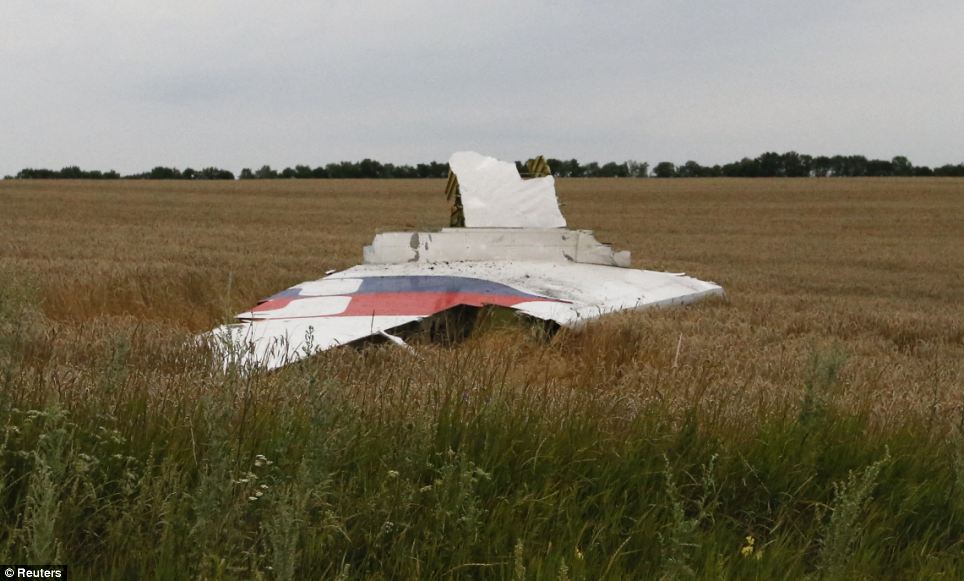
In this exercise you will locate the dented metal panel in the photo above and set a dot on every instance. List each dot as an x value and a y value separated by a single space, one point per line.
494 195
475 244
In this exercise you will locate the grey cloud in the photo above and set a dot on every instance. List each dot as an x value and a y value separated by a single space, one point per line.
127 84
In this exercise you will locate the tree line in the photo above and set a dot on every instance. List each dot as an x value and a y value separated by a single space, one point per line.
769 164
793 164
158 173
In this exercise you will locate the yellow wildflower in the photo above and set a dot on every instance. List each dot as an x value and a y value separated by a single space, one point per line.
747 549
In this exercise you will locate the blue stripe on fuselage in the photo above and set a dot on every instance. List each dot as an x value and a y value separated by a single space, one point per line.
437 284
426 284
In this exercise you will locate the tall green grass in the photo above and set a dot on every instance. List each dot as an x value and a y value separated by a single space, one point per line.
126 454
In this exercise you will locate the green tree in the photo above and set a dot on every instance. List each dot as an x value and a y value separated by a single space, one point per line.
164 173
664 169
266 173
638 169
902 166
691 169
613 170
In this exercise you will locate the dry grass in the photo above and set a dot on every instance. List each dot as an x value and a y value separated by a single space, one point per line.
507 452
874 266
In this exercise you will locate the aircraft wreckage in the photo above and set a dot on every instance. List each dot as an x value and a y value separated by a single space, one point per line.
508 247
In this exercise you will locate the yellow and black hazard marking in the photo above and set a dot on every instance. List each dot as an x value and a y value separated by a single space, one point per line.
457 217
537 167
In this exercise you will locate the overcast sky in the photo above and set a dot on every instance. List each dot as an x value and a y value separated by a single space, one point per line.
129 85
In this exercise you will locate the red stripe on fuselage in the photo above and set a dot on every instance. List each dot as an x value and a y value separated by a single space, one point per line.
274 304
425 303
401 304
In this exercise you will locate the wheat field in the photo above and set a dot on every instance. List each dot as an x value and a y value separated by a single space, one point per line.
809 424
